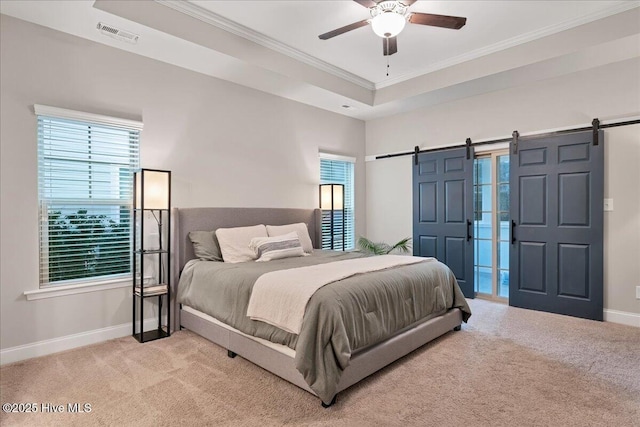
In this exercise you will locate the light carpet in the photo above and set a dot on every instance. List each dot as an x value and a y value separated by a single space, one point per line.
507 367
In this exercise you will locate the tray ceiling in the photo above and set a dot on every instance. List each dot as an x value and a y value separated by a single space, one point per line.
273 46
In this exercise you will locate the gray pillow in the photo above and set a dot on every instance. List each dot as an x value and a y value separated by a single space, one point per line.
205 245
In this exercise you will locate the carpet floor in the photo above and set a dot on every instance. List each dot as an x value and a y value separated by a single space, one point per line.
507 367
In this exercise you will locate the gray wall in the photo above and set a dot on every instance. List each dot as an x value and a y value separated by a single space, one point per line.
225 144
605 92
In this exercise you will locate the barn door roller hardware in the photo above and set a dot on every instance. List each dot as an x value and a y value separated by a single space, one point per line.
468 143
514 141
596 127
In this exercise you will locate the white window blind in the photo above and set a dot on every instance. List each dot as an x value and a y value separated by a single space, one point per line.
85 183
334 171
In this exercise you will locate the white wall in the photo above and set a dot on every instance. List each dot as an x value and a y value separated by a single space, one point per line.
606 92
225 144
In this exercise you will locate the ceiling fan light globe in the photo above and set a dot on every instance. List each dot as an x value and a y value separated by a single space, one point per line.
388 24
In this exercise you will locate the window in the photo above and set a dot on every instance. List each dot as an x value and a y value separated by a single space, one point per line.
339 170
85 191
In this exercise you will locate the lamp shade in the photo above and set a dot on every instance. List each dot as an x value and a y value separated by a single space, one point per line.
152 189
331 196
388 24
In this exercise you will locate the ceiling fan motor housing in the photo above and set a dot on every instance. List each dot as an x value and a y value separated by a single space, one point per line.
388 18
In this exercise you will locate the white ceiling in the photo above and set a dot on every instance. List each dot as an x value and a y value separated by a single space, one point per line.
273 46
491 25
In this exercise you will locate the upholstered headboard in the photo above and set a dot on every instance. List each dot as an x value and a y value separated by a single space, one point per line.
185 220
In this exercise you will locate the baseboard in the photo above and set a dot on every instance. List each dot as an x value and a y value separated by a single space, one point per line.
55 345
622 317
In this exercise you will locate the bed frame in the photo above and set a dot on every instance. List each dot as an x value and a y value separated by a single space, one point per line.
362 364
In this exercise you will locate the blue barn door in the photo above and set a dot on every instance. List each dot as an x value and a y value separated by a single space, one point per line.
443 211
556 256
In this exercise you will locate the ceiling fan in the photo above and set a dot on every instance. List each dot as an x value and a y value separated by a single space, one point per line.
388 19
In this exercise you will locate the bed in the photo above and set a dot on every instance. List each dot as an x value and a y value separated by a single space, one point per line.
325 356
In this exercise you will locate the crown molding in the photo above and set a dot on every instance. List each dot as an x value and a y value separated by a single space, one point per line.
223 23
512 42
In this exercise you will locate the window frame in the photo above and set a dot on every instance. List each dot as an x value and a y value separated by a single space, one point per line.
97 282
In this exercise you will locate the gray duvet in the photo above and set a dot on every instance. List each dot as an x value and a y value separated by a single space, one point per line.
341 317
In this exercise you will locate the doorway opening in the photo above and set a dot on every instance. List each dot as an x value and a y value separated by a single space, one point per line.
491 225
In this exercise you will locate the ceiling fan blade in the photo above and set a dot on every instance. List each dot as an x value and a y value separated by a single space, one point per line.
389 46
407 2
444 21
344 29
366 3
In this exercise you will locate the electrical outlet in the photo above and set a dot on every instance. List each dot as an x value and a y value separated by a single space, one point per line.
608 204
637 292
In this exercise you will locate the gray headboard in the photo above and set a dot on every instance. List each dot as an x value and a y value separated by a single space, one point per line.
203 219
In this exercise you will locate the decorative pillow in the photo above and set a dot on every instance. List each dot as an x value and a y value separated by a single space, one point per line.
234 242
300 228
277 247
205 245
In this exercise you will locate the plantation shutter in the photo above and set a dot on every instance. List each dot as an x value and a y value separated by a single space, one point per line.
85 188
338 171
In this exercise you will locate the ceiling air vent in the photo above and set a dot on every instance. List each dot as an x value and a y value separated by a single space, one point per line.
117 33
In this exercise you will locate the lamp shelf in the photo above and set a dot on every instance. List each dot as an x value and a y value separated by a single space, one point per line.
156 294
151 291
151 251
151 335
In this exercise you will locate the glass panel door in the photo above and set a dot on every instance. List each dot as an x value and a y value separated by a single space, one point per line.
491 225
502 218
483 227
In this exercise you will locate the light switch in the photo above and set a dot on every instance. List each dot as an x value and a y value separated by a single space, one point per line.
608 204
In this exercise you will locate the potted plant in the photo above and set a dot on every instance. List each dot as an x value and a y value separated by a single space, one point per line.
379 248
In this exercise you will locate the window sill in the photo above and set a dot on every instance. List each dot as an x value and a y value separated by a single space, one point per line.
59 291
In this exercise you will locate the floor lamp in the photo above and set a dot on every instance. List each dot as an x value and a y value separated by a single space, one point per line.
152 197
332 199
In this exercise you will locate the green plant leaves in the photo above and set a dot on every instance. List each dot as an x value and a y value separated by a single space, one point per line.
380 248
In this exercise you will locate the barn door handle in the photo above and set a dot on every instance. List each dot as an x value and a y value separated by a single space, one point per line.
468 230
513 232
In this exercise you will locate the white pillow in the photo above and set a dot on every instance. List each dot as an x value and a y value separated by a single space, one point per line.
300 228
277 247
234 242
